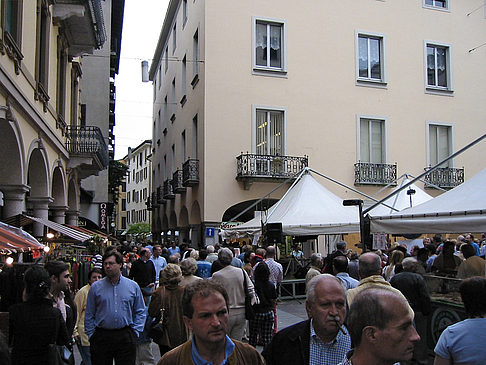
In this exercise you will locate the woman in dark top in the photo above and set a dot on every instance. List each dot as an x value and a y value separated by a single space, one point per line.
35 323
262 324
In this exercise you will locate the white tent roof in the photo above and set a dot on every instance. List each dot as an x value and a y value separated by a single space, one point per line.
401 200
462 209
308 208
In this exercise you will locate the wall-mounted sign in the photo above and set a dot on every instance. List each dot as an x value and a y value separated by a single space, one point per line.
104 217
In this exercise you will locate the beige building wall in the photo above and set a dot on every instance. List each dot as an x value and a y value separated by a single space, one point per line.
320 93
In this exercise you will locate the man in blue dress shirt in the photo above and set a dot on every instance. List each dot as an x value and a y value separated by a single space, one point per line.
115 315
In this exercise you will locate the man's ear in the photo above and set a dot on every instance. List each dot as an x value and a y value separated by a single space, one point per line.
188 322
54 279
369 333
308 306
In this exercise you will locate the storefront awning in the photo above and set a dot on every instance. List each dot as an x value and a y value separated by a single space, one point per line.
15 239
21 220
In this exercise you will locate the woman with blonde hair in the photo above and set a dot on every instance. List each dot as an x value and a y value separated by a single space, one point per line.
167 302
189 268
395 259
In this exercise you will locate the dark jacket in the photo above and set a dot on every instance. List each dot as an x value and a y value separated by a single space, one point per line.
289 346
34 325
414 288
143 273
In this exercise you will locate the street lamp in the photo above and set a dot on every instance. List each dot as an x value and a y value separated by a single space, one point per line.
359 203
410 192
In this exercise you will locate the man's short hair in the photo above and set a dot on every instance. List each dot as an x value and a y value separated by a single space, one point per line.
311 286
270 252
473 294
94 271
341 245
202 288
156 246
315 259
210 248
225 256
117 255
203 254
468 250
409 264
369 264
340 263
56 268
368 309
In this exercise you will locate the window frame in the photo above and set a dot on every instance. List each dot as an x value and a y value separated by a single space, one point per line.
450 141
13 42
384 152
449 68
435 7
267 108
383 68
269 70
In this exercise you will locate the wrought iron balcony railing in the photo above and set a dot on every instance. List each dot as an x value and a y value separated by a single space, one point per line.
367 173
190 172
251 166
168 191
87 142
177 182
444 177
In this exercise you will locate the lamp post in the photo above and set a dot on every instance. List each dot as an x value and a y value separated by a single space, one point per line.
359 203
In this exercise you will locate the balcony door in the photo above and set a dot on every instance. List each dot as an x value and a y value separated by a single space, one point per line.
270 141
440 137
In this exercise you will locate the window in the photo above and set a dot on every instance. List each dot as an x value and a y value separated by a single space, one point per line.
124 204
124 187
441 4
371 58
183 148
194 137
160 75
184 12
372 140
75 75
12 20
173 159
174 38
61 80
269 45
42 55
195 57
166 114
166 58
128 197
269 132
124 223
440 144
438 67
174 101
183 80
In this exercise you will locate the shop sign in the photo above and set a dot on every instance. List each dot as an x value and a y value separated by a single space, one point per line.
103 217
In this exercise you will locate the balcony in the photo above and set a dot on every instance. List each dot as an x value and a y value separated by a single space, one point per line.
190 172
444 177
177 182
366 173
87 149
251 167
168 191
153 200
83 23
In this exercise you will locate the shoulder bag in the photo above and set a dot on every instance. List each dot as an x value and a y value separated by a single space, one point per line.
159 324
249 312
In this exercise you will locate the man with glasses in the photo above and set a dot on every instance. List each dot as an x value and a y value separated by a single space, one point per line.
115 315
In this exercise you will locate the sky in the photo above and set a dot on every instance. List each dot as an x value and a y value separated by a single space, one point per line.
142 23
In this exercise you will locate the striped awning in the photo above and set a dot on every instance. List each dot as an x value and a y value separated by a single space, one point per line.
21 220
15 239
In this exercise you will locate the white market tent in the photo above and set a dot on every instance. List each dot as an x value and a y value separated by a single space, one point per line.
401 200
307 208
462 209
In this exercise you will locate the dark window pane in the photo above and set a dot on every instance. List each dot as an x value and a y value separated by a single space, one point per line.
363 56
375 59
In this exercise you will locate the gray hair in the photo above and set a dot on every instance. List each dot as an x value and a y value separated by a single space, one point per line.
315 259
409 264
311 286
210 248
188 266
225 256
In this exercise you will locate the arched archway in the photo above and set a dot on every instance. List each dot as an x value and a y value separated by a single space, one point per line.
184 228
58 206
173 220
12 165
38 180
195 213
195 224
238 208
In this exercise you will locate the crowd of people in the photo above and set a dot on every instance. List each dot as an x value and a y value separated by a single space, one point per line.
362 309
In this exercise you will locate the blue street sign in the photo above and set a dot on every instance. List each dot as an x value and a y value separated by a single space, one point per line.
209 232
